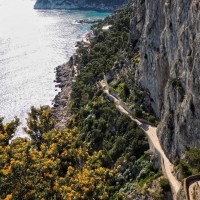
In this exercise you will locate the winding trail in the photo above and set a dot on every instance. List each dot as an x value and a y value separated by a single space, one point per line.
151 132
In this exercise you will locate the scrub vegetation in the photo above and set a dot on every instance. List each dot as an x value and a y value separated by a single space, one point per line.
101 154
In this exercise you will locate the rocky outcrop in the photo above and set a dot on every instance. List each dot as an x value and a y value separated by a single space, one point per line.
102 5
64 79
88 21
65 76
168 35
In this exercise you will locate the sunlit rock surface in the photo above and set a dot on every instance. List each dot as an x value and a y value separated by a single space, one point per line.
168 35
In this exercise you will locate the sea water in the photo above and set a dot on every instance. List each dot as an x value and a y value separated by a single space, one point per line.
32 44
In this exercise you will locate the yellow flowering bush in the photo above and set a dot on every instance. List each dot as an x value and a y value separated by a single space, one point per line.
58 169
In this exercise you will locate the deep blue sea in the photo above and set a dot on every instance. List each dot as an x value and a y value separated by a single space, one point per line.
32 44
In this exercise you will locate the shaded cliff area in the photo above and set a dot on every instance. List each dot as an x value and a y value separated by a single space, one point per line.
102 5
167 34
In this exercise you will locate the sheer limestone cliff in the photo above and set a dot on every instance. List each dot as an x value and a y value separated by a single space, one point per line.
167 33
102 5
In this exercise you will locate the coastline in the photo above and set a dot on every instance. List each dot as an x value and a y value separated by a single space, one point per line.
66 75
60 103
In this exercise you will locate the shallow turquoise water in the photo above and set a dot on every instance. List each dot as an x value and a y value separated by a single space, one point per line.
32 44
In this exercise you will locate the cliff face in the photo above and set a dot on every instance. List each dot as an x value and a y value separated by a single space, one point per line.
168 35
102 5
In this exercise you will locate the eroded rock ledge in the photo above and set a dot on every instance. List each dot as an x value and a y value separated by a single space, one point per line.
65 76
64 80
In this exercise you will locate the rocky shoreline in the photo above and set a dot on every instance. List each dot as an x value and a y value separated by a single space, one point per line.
64 80
88 21
65 76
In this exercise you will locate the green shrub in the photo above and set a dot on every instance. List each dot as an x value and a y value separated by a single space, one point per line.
193 157
164 184
138 112
185 169
151 119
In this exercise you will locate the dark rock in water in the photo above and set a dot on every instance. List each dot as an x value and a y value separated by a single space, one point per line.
56 105
88 21
78 44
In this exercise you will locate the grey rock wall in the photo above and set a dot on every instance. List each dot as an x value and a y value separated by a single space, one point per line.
167 33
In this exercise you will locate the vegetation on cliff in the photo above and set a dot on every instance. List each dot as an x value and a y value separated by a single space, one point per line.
98 153
57 164
56 168
190 164
101 154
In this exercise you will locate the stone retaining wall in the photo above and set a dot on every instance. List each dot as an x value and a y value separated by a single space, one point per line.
187 182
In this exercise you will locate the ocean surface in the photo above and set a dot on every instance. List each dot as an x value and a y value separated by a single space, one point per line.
32 44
